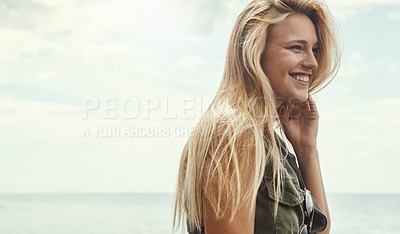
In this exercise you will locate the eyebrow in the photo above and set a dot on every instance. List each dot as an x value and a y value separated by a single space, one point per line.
301 42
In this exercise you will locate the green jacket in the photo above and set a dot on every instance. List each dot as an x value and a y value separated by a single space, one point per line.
290 215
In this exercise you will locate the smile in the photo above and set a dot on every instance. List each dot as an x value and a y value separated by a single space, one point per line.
300 77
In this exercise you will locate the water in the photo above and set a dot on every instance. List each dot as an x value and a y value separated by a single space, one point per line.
152 213
365 213
86 214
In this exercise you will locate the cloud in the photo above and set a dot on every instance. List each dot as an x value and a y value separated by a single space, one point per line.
19 43
394 15
48 3
45 75
202 20
192 63
41 139
367 114
90 30
391 106
356 64
356 57
358 138
362 129
343 9
88 48
106 117
23 119
361 3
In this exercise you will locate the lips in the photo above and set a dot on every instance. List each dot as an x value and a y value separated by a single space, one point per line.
300 77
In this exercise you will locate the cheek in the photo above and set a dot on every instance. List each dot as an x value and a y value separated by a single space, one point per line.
290 62
279 69
278 66
283 63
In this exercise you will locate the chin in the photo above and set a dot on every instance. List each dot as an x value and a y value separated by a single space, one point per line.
303 99
292 99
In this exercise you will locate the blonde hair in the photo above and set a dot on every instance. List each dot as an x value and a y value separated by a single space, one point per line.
225 157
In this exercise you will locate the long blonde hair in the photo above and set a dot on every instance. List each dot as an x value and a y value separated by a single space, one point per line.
225 157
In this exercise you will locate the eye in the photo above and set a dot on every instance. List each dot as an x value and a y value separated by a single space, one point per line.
315 50
296 47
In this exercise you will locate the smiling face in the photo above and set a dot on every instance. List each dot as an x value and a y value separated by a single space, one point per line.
290 58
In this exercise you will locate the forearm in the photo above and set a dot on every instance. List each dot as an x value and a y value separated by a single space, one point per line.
311 171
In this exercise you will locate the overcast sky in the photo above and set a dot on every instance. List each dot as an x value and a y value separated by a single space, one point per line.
99 96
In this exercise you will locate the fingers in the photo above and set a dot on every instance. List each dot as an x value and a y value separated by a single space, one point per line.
312 113
307 110
296 111
311 103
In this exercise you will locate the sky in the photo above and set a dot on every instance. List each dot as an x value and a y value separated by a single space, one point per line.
101 96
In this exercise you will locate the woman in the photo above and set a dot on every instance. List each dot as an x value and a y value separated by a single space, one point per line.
236 173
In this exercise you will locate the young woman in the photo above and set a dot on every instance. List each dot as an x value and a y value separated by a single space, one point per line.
237 174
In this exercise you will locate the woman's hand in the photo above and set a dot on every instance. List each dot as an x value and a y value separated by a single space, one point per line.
301 129
301 126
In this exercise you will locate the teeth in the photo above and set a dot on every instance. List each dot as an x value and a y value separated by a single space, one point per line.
302 78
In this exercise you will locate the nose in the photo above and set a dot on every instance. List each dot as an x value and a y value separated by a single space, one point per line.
309 61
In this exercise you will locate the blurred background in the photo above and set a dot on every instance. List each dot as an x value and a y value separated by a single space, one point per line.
99 97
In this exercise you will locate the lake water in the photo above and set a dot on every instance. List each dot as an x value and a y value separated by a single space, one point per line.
152 213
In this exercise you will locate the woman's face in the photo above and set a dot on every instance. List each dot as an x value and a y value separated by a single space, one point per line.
289 61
